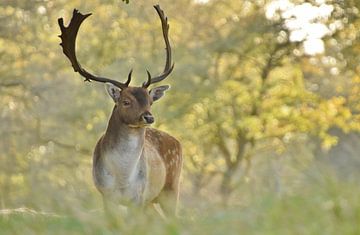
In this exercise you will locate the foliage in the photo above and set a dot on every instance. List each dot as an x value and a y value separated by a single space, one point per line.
253 111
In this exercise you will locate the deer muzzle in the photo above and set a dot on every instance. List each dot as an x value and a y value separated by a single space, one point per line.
148 118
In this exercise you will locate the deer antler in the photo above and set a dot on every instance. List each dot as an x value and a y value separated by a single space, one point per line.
68 39
168 67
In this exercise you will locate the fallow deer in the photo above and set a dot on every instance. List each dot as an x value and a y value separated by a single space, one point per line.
131 162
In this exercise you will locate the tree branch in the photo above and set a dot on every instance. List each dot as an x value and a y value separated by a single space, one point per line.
58 143
223 148
12 84
67 146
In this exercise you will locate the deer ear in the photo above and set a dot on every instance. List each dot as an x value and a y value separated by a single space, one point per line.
113 91
158 92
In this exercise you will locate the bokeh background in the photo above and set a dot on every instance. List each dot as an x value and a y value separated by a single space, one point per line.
265 100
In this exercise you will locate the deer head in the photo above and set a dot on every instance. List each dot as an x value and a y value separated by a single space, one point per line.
132 104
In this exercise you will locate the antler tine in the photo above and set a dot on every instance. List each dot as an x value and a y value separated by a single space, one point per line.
168 67
148 82
68 42
129 78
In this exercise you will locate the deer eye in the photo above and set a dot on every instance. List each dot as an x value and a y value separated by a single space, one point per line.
126 103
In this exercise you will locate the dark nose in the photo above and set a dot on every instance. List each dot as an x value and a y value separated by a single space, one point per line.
148 118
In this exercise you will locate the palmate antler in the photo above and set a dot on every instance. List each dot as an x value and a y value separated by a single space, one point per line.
68 42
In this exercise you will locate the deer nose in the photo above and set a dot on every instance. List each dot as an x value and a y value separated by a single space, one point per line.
148 118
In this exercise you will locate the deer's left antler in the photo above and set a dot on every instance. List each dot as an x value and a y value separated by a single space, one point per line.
168 66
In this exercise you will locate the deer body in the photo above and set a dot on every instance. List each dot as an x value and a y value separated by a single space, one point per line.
136 164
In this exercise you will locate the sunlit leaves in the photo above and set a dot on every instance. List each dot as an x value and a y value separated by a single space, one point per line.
260 94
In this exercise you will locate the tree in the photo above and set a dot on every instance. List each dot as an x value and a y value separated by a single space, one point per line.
259 99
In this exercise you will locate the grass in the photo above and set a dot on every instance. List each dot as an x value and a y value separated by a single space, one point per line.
332 209
324 203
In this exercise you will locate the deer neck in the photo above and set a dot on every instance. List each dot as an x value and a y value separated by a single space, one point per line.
124 148
119 133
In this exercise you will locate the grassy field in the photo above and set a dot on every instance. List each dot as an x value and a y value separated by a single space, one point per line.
332 207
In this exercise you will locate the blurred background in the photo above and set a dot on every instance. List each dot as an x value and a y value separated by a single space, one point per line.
265 100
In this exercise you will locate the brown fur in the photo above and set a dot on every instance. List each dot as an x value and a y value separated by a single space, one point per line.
171 154
135 163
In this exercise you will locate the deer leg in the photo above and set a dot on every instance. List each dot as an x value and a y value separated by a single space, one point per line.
160 211
169 197
114 213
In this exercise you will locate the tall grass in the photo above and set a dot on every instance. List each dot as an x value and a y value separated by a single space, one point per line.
324 205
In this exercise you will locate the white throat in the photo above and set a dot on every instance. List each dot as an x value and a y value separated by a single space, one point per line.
123 157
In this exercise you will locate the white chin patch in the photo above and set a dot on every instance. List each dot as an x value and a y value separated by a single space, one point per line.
138 125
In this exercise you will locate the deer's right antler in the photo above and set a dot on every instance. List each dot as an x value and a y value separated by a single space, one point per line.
68 41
